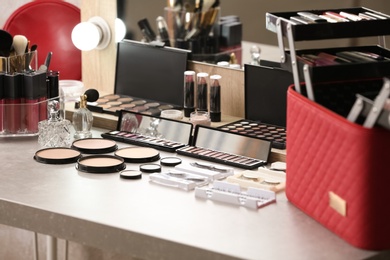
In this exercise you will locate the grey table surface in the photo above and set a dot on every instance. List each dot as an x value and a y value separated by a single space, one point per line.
150 221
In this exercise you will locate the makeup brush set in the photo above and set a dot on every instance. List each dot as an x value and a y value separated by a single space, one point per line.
24 88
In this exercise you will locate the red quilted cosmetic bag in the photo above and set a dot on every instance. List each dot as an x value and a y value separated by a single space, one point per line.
338 172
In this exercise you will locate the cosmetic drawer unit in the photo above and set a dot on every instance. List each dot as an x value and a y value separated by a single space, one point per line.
281 24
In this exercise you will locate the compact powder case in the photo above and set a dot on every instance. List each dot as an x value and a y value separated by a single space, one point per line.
100 164
170 161
95 145
131 174
59 155
150 168
138 154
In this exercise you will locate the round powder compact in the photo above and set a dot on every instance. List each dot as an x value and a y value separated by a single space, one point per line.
94 145
58 155
150 168
138 154
100 164
170 161
130 174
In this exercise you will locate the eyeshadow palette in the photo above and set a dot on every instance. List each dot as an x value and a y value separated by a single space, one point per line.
151 131
276 134
113 103
229 148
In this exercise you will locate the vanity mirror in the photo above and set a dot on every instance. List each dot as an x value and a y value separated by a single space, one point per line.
251 14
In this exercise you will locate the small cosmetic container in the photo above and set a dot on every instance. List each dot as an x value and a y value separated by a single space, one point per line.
202 91
82 120
200 118
189 92
55 131
215 98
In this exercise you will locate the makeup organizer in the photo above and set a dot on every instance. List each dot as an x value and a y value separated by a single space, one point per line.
338 149
151 131
24 94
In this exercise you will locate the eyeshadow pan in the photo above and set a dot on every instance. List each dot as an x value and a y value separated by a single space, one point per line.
125 99
111 97
94 145
57 155
127 105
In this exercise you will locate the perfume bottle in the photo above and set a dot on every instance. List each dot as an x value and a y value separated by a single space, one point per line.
82 117
55 131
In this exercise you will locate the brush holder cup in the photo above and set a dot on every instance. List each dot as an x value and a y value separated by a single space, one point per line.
26 62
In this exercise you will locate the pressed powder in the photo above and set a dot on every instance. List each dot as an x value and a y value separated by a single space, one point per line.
100 164
130 174
138 154
150 168
57 155
95 145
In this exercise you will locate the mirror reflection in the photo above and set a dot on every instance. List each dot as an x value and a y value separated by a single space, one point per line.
232 143
251 14
155 127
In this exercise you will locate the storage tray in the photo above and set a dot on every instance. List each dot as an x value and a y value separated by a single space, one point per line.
343 71
320 31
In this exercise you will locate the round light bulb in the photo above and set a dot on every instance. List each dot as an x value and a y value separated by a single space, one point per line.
86 36
120 30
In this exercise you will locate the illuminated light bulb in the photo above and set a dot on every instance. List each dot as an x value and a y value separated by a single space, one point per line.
120 30
93 34
86 36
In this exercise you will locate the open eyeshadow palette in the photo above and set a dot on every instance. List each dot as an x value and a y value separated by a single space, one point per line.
113 103
235 149
276 134
152 131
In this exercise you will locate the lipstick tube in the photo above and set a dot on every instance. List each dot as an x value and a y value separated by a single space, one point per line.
202 91
13 109
189 92
215 98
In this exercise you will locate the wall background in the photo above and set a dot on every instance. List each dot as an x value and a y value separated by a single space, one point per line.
8 7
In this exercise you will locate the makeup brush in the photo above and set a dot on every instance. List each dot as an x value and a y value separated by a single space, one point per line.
5 43
30 56
19 44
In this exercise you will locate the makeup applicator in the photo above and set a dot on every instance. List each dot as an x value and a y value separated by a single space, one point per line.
19 44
